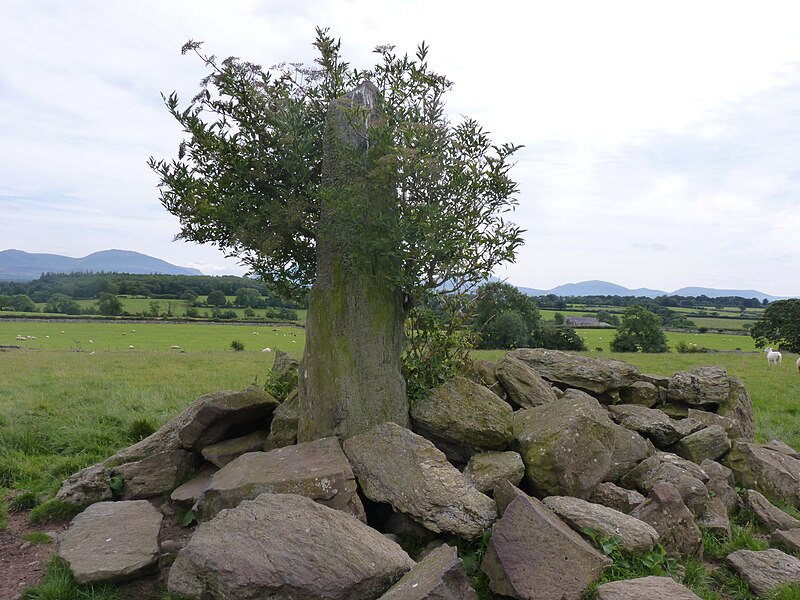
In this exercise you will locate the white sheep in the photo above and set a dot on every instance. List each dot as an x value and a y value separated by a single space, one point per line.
174 347
21 338
131 347
267 350
773 357
797 364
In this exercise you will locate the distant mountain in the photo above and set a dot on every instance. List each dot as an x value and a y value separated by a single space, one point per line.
16 265
712 293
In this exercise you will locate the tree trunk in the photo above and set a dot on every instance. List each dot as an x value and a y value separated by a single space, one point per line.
350 377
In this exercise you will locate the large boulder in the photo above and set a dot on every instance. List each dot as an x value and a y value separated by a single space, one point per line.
701 387
774 474
221 453
462 418
439 576
87 486
770 516
154 475
739 406
286 546
765 570
649 588
642 393
630 449
403 469
709 443
566 445
112 541
318 470
532 555
616 497
634 535
653 424
487 469
721 484
283 428
665 511
582 372
524 387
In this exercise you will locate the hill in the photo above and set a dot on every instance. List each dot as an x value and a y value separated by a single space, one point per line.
17 265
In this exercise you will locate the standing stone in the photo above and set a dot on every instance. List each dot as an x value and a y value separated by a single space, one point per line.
523 385
533 555
665 511
286 546
112 541
765 570
439 576
645 588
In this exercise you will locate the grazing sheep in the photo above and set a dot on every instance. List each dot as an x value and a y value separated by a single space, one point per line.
773 357
131 347
267 350
797 364
174 347
21 338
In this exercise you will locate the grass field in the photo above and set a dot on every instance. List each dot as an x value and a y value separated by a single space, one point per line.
601 338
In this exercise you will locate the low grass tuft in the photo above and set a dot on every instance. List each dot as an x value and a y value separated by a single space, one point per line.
23 501
59 584
37 537
53 511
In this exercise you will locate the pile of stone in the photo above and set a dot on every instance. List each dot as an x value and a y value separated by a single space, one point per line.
538 448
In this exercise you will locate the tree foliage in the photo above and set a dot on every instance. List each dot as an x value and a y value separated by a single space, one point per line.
504 317
640 331
779 326
109 304
248 176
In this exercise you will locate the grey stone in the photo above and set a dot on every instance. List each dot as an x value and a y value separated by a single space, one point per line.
729 424
398 467
652 424
630 449
642 393
112 541
645 588
616 497
487 469
268 541
709 443
789 538
765 570
283 428
533 555
769 515
703 386
566 445
772 473
665 511
634 535
739 406
87 486
190 492
721 484
484 373
779 446
154 475
318 470
582 372
687 477
463 418
715 518
439 576
221 453
524 387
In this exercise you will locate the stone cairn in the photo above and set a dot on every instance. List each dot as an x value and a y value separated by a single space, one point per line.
535 448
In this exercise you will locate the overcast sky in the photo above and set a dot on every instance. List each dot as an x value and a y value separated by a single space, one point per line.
661 139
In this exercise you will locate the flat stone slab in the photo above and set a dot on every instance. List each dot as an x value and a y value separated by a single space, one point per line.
438 576
112 541
649 588
765 570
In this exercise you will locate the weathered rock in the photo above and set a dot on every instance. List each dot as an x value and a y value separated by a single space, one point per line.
772 473
283 428
709 443
702 387
284 369
504 494
87 486
769 515
261 549
112 541
524 387
687 477
642 393
652 424
739 406
318 470
721 484
403 526
225 415
634 535
398 467
463 418
484 373
789 538
665 511
533 555
629 450
729 424
439 576
221 453
616 497
487 469
154 475
765 570
650 588
582 372
566 445
779 446
715 518
190 492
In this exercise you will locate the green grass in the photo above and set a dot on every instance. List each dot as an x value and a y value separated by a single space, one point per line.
58 584
37 537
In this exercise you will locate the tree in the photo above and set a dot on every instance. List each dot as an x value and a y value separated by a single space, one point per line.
780 326
352 184
504 316
250 297
216 298
558 337
61 304
640 331
109 304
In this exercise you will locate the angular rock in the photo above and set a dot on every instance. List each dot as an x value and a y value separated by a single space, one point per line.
398 467
702 387
190 492
483 372
729 424
283 428
524 387
721 484
665 511
268 540
630 449
739 407
221 453
582 372
652 424
318 470
154 475
463 418
112 541
438 576
611 495
789 538
487 469
533 555
650 588
566 445
709 443
765 570
284 369
87 486
634 535
642 393
505 494
687 477
769 515
715 518
403 526
224 415
779 446
772 473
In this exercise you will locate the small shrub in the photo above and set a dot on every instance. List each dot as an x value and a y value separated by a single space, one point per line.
237 346
24 501
53 510
37 537
116 483
140 429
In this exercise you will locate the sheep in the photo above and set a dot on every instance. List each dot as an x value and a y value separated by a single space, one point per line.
21 338
797 364
131 347
267 350
174 347
773 357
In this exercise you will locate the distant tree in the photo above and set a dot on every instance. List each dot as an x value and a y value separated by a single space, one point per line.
22 303
216 298
109 305
504 317
558 337
640 331
63 305
607 317
779 326
154 309
250 297
558 318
